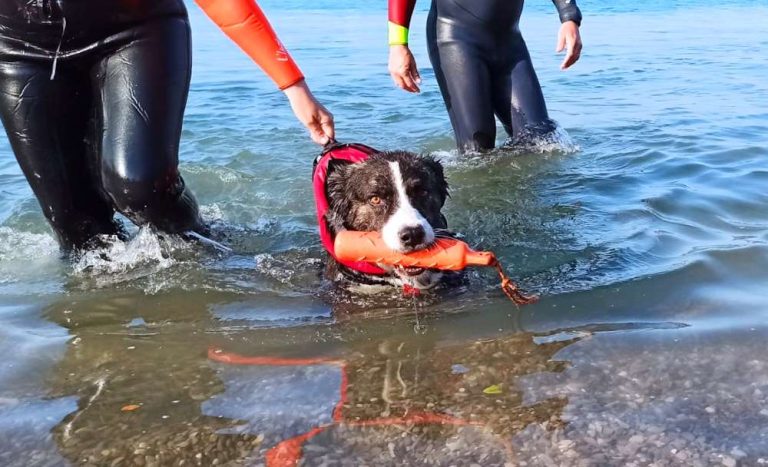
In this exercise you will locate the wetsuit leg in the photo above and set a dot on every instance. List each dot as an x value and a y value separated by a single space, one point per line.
483 67
142 90
517 97
465 81
47 122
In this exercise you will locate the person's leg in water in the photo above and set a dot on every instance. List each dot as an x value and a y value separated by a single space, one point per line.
91 134
483 68
518 101
465 81
47 122
141 92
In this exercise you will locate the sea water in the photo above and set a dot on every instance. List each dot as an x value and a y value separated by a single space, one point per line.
645 232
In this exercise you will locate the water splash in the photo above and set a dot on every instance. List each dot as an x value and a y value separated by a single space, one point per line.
17 245
558 141
289 269
23 255
212 213
146 250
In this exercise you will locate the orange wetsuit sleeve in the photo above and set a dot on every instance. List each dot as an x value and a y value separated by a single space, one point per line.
245 23
400 12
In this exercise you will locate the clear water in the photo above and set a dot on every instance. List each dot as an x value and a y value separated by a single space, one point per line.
648 242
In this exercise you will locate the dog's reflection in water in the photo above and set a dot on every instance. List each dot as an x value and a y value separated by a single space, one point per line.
398 388
456 402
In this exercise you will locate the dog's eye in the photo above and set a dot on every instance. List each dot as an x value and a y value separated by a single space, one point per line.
375 200
419 191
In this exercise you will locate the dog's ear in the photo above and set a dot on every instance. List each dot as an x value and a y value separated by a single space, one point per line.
335 192
434 166
336 178
337 165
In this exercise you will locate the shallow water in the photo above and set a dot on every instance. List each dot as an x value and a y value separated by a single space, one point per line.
647 238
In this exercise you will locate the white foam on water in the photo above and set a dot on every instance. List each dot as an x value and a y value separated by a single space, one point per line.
211 213
24 254
145 249
284 270
557 141
15 245
224 174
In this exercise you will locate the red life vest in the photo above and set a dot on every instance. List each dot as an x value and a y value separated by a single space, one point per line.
353 153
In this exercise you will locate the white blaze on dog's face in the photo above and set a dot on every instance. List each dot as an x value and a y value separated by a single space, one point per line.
406 229
398 194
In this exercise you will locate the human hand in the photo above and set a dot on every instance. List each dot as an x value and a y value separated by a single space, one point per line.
311 113
402 67
569 38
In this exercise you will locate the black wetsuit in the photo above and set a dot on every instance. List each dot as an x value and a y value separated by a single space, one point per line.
483 68
92 94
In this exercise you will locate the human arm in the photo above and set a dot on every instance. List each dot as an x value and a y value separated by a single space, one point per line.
316 118
402 65
245 23
568 37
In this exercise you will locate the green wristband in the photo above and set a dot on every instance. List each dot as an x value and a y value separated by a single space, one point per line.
398 35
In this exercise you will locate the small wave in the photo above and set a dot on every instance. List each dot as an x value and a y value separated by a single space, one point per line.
118 261
15 245
450 158
224 174
23 255
288 270
557 140
211 213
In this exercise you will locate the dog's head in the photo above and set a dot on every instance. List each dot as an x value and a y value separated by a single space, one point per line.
399 194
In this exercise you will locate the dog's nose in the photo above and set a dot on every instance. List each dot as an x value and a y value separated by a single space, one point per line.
412 236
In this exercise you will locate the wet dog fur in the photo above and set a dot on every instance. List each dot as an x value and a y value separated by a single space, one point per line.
399 194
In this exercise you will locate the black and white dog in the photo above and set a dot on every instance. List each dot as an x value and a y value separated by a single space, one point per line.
399 194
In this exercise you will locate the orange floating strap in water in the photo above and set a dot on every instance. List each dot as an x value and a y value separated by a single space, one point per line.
446 254
245 23
510 289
